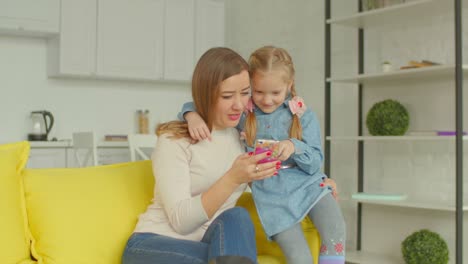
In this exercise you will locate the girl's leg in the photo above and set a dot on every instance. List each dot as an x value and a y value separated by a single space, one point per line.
231 234
329 221
294 245
144 248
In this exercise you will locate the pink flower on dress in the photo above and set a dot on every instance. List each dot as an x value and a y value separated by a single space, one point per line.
339 247
297 106
250 106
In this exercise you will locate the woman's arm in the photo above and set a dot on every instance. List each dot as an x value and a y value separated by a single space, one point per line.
245 169
186 213
171 160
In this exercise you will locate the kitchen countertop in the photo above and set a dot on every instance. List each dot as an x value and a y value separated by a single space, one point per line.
68 144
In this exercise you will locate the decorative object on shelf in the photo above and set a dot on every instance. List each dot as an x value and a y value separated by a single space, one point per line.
416 64
387 118
379 196
448 133
424 247
374 4
369 4
386 66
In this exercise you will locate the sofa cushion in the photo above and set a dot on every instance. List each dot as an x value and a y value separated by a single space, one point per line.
86 215
14 238
269 251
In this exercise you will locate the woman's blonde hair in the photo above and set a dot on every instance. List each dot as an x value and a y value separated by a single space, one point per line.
265 60
213 67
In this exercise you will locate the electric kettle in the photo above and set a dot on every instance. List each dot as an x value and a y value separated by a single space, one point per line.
42 122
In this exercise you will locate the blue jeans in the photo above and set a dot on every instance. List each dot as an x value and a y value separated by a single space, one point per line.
230 234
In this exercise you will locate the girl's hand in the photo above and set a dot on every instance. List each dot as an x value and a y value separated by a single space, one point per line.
332 184
197 127
246 169
285 149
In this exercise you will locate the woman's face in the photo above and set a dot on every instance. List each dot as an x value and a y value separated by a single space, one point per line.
233 98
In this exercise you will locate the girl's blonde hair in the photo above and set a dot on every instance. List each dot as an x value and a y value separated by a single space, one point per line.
213 67
265 60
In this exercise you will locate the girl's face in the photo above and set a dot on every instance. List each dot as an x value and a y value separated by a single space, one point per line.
269 90
233 98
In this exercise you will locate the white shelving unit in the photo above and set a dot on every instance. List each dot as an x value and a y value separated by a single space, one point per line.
427 73
378 17
413 204
359 257
393 138
373 19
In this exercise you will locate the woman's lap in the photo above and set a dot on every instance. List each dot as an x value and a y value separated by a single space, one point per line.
231 233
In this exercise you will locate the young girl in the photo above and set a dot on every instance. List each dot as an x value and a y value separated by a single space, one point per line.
297 191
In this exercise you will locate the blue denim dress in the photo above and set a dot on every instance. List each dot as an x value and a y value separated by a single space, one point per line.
285 199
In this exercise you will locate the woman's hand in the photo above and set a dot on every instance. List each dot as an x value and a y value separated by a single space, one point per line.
332 184
246 169
197 127
285 149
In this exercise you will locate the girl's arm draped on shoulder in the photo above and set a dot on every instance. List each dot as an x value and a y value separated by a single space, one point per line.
196 125
186 107
171 169
308 152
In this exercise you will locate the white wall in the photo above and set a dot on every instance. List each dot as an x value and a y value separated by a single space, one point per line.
296 25
107 107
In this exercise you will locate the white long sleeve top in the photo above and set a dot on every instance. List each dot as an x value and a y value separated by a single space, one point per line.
182 172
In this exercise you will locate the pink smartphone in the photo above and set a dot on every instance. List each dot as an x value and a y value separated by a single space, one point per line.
264 145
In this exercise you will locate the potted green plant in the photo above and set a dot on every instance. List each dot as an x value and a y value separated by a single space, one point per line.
424 247
386 66
387 118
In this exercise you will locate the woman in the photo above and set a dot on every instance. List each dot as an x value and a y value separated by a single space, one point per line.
192 218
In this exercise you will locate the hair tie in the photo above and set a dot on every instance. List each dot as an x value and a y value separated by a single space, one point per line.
297 106
250 106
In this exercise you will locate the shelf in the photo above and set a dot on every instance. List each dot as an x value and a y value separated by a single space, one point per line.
361 257
413 204
391 138
425 74
385 15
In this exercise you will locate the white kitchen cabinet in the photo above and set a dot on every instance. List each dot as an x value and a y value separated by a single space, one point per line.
129 39
113 155
209 29
178 40
106 155
29 17
47 158
73 52
191 28
155 40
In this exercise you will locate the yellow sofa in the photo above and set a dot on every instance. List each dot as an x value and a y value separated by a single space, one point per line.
85 215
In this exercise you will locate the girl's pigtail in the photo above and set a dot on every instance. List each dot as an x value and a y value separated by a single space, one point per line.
295 131
250 128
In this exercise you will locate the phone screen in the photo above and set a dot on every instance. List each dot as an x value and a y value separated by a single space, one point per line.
264 145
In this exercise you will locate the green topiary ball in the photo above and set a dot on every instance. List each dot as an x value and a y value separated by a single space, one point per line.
387 118
424 247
